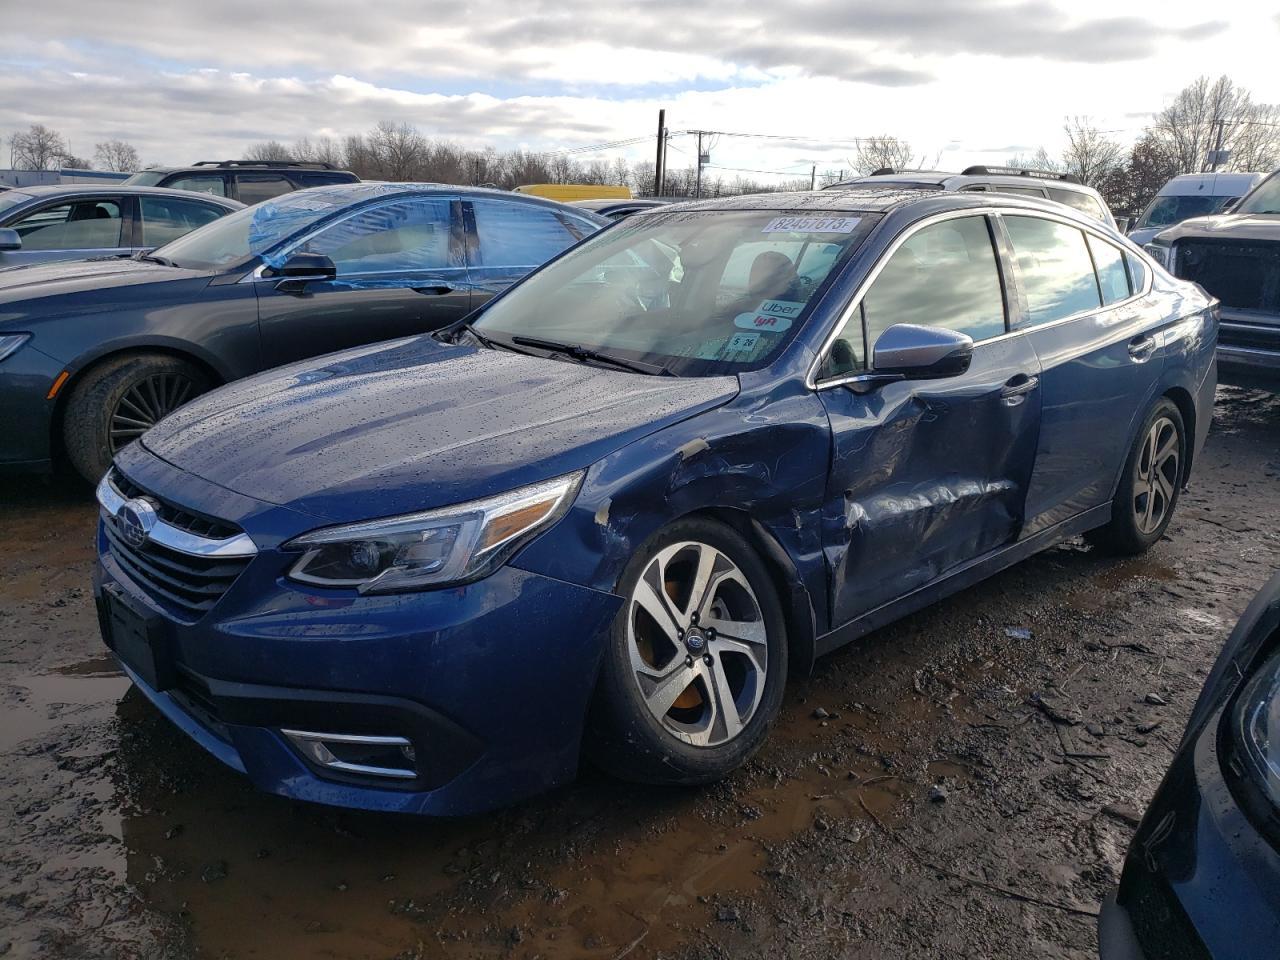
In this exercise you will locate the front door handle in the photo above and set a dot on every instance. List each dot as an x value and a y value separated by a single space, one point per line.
1016 390
1141 348
436 290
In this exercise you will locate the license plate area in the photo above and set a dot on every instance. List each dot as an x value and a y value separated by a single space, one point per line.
138 637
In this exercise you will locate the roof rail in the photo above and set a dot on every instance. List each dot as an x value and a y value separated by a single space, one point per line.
308 164
981 170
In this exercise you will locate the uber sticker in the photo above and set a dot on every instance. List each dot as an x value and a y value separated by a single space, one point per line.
812 225
754 320
743 342
780 308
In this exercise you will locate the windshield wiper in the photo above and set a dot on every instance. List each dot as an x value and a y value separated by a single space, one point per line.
482 339
578 352
152 258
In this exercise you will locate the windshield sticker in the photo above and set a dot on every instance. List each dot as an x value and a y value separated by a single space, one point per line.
812 225
781 308
743 342
754 320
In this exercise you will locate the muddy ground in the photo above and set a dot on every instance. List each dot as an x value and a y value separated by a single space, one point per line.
913 801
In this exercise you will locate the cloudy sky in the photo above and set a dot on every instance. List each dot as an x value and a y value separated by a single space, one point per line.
964 81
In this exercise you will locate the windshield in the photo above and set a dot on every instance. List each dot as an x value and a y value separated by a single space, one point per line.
252 231
11 198
147 178
700 293
1264 199
1166 211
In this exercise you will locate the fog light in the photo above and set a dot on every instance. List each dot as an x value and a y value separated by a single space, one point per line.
357 754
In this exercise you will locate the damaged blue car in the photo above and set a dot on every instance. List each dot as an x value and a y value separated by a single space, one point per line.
613 511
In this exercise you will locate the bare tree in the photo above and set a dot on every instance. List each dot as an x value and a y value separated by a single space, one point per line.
268 150
321 150
1205 114
38 148
117 155
1040 160
1090 155
399 150
876 153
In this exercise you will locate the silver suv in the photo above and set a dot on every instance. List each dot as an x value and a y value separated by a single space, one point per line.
1061 187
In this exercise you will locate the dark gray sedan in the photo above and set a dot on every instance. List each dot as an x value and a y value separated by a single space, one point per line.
78 221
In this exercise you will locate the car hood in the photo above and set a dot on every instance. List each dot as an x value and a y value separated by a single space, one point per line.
413 424
78 285
1242 226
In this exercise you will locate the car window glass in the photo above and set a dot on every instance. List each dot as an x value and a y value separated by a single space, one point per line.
1113 278
1166 211
200 184
513 234
807 263
321 178
1054 269
1263 199
1137 272
256 187
944 275
1084 202
411 234
1018 191
82 225
167 218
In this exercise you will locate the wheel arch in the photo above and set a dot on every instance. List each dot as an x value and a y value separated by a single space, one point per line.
1182 399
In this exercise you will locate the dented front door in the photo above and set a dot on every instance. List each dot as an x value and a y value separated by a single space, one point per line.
927 475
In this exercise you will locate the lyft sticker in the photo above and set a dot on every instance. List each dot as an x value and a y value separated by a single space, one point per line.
812 225
754 320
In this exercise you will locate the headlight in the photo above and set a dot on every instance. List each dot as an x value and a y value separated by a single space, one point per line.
438 547
10 342
1257 724
1159 253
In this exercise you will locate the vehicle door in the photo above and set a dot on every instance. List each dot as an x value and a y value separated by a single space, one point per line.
927 474
71 229
507 239
1100 359
400 271
162 218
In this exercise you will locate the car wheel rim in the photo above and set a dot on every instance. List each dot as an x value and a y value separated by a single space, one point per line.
698 645
145 403
1156 479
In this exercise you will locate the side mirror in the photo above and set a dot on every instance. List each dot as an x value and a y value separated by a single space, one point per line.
302 268
10 240
1123 224
907 351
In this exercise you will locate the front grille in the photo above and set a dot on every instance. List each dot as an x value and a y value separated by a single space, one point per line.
1244 275
174 515
186 585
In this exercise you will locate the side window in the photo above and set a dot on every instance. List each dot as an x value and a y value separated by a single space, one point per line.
200 183
406 235
1054 268
256 187
944 275
1137 272
83 225
1113 278
168 218
1084 202
320 178
1018 191
514 234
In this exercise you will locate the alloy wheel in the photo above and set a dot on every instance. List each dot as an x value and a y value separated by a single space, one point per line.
698 644
1156 482
145 403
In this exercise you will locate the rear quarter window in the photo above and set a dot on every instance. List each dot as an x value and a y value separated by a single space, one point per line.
1084 202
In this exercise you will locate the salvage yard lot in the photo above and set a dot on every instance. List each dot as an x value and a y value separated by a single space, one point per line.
963 783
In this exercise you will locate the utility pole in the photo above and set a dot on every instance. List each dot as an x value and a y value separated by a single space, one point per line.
813 177
660 159
697 188
1216 156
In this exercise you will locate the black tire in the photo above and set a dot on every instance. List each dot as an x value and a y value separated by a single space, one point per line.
624 737
105 396
1125 534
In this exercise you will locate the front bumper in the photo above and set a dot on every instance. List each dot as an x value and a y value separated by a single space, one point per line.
1249 351
1199 880
490 682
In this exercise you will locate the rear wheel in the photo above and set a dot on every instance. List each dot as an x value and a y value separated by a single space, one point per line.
119 400
1144 503
697 660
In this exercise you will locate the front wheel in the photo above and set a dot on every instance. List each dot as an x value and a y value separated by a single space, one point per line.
697 659
119 400
1148 491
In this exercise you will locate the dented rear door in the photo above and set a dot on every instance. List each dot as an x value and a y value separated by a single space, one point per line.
927 475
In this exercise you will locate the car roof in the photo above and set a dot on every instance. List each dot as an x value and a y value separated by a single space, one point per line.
118 187
942 180
371 189
1212 184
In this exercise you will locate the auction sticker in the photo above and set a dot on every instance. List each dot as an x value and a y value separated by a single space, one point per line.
812 225
743 342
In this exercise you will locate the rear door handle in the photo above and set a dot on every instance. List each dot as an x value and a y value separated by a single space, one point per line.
437 290
1016 390
1141 348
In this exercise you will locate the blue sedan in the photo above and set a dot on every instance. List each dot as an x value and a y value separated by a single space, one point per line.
616 509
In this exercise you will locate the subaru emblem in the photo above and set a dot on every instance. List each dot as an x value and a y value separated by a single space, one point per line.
135 520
